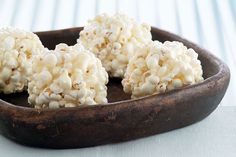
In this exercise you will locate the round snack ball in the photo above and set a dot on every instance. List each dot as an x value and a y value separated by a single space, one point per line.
68 76
114 40
17 48
161 67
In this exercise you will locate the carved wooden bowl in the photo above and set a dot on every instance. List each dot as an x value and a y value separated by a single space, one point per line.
122 119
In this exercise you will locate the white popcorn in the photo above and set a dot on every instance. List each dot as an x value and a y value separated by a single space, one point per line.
114 40
17 48
68 76
160 67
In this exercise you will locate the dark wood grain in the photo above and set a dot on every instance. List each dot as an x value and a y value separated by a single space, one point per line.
122 119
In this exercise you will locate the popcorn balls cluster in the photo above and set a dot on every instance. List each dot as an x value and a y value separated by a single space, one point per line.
160 67
17 48
71 76
114 40
68 76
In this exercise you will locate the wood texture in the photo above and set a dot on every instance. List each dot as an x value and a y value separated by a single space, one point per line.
118 121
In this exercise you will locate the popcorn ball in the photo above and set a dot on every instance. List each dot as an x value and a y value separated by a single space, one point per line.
114 40
17 47
68 76
160 67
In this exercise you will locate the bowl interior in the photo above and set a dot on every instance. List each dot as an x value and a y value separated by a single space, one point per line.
114 93
115 90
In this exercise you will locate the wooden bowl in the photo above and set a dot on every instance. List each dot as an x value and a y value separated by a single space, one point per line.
123 119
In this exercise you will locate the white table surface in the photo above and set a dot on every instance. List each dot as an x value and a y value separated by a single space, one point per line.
209 23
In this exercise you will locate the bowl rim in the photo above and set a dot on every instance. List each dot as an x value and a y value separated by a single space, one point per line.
222 70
